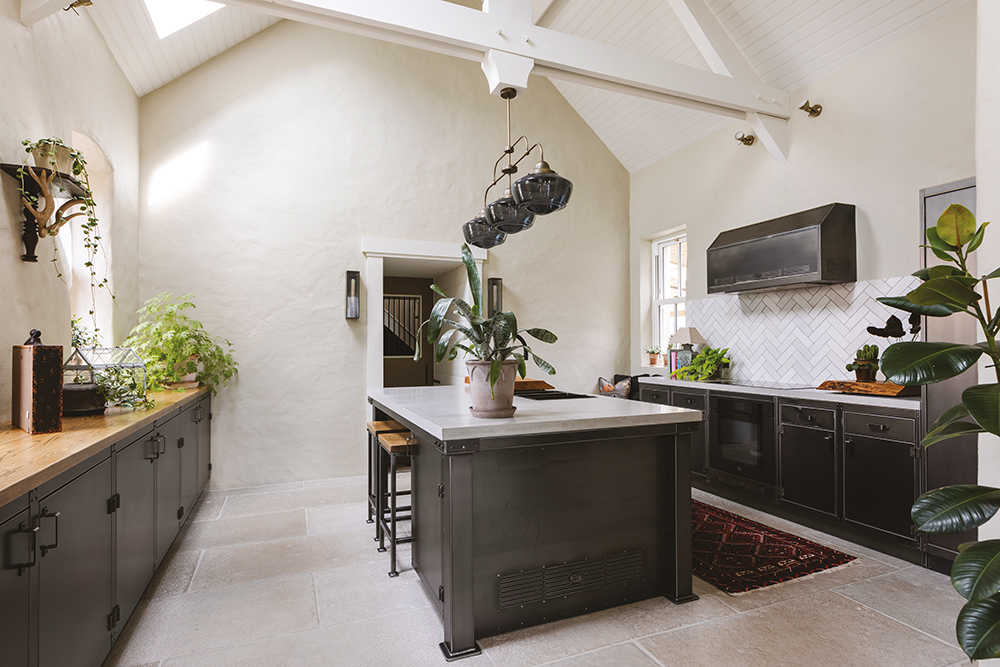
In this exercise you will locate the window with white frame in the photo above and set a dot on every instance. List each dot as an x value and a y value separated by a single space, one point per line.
669 286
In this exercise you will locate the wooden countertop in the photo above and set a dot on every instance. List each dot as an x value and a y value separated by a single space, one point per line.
26 461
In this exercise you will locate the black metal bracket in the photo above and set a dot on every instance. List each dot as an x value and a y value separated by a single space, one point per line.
459 446
114 502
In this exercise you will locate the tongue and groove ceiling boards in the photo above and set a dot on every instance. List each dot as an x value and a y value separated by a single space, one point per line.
786 43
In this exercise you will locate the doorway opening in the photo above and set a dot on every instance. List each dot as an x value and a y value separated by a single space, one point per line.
406 303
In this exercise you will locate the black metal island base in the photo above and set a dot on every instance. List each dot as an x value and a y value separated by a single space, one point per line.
568 507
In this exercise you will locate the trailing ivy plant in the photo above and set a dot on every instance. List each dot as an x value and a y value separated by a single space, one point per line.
168 340
87 208
947 289
493 339
704 365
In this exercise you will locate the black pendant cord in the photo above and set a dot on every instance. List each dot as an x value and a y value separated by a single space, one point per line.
508 94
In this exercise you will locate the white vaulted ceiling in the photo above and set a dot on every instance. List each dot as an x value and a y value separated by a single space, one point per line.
789 43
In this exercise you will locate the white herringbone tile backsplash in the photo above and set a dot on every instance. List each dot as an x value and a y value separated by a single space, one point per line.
801 336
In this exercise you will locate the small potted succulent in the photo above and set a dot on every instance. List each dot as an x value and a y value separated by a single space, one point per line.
865 364
654 354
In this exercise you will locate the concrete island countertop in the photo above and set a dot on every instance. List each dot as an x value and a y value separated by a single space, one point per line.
443 412
908 403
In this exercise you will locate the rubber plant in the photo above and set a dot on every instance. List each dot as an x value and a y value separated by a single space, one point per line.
491 339
945 290
168 340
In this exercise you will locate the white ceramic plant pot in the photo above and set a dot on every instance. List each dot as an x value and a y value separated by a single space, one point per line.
501 404
188 381
43 155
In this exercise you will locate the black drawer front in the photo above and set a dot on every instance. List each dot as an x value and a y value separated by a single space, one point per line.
880 426
805 416
648 395
689 401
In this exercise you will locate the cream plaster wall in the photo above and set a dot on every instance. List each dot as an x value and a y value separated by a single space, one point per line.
310 139
58 76
895 121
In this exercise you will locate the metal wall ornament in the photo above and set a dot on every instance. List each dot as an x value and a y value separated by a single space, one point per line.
541 192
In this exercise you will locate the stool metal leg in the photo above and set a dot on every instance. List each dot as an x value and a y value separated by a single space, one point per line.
371 482
392 515
383 475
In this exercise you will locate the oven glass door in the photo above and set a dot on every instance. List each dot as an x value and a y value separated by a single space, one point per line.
742 438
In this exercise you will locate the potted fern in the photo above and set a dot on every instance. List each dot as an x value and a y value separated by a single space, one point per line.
496 345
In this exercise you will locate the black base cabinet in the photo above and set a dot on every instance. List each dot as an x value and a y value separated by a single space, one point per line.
77 553
807 460
692 400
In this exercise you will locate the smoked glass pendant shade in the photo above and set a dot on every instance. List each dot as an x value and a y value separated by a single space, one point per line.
479 233
542 191
505 215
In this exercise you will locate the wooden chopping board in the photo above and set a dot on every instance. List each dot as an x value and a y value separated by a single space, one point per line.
870 388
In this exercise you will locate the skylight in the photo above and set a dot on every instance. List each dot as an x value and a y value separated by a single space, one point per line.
169 16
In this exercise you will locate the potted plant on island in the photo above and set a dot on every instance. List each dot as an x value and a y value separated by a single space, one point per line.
706 365
496 345
174 346
865 364
654 354
947 290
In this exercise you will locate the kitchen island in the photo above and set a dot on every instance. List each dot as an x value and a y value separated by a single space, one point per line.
568 507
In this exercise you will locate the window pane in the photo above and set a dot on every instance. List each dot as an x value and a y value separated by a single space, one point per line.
671 271
682 286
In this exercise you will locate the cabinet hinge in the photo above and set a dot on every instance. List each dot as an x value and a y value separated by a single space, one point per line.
180 513
440 491
781 430
441 593
780 492
180 443
915 452
210 467
114 502
114 617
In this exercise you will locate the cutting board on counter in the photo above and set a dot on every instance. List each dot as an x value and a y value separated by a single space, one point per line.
525 384
870 388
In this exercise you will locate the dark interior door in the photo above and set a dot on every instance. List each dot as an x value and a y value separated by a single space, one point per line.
16 549
808 467
74 571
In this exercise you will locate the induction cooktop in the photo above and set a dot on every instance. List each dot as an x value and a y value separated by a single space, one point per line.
764 384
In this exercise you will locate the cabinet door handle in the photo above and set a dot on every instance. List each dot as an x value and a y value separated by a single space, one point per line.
829 443
878 427
849 447
163 445
199 414
45 515
32 550
689 401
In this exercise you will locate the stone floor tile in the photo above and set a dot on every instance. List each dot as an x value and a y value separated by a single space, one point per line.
209 507
336 518
407 639
174 574
242 530
572 636
821 629
619 655
256 490
282 501
355 592
359 481
916 596
222 617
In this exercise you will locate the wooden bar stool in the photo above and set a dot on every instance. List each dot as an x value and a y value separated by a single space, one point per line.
393 446
374 430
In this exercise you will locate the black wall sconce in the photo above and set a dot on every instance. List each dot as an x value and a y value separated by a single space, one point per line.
494 296
353 295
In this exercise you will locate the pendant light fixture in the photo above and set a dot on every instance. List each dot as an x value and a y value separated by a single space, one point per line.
541 192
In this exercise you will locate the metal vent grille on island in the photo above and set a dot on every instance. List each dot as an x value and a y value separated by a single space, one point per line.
562 580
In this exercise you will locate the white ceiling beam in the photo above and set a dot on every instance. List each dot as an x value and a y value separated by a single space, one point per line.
467 33
538 9
33 11
724 57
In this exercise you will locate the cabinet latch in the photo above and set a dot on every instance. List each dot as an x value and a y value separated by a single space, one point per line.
180 443
114 617
440 490
114 502
180 513
441 593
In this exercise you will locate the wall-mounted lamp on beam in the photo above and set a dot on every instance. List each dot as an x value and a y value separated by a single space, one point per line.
353 295
812 109
745 139
494 296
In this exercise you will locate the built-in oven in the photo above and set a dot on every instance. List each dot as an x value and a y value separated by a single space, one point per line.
741 443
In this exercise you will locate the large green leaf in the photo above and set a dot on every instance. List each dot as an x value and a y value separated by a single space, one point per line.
936 242
902 303
923 274
983 402
957 225
994 274
474 283
543 335
943 291
436 321
952 430
955 509
956 413
976 571
978 628
977 238
442 344
544 365
926 363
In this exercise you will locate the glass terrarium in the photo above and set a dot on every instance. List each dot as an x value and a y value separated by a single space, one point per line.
118 371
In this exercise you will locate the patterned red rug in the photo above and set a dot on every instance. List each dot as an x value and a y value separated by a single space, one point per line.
737 555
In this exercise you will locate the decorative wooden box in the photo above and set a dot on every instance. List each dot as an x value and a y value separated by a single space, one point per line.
37 392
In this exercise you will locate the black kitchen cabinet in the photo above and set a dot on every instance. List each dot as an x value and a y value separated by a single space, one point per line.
167 457
808 467
75 609
699 442
881 468
18 554
203 416
135 538
188 446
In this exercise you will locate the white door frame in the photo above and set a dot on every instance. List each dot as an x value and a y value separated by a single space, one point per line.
376 251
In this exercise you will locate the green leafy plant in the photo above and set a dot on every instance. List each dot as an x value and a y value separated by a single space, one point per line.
704 365
493 339
865 357
117 385
168 340
653 349
946 290
85 207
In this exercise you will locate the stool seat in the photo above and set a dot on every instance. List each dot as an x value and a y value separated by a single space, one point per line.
394 443
390 426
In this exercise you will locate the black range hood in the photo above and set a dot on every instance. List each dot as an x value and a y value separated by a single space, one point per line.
814 247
